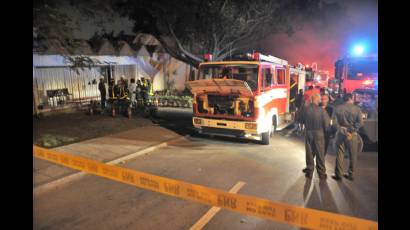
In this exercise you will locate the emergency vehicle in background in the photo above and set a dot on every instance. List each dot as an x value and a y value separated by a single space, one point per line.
357 73
247 96
321 79
316 78
310 74
333 86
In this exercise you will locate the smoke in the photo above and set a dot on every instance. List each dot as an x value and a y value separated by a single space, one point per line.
324 41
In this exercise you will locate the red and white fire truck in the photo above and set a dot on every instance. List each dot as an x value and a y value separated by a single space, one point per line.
247 96
316 78
357 73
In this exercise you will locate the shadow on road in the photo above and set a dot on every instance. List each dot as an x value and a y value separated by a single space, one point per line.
352 201
306 188
176 119
327 199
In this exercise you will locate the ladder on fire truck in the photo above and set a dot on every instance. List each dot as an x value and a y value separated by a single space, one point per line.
256 56
267 58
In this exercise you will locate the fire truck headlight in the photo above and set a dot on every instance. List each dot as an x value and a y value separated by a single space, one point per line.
250 126
197 121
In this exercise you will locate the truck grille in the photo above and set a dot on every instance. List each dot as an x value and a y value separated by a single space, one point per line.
223 131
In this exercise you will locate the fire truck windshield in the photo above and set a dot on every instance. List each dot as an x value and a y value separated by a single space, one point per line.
358 70
243 72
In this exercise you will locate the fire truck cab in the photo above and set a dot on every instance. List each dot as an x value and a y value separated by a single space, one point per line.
246 96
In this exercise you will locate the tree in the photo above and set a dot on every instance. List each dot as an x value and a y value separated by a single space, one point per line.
191 28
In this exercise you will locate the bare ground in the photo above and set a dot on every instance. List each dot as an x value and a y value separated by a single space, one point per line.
62 129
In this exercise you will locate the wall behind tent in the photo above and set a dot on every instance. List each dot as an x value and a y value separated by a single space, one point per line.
176 73
129 72
159 82
80 85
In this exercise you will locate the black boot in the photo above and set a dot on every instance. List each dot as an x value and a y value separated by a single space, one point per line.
309 174
336 177
348 176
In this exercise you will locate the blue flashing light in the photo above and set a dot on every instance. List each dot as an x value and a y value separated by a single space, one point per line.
358 50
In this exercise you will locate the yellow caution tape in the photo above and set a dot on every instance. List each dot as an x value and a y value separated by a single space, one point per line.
248 205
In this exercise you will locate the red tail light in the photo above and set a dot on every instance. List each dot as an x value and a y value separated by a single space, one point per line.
256 56
208 57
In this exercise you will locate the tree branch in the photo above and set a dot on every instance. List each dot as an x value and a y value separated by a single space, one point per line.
185 52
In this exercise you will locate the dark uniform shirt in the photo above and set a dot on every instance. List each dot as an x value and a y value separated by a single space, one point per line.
329 110
349 116
103 90
299 100
314 118
111 91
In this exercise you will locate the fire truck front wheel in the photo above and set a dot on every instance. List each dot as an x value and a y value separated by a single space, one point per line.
273 128
265 138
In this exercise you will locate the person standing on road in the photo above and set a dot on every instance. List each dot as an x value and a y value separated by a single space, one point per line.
144 90
298 104
339 100
299 99
150 88
316 123
111 90
123 83
132 91
139 92
103 92
329 109
307 96
347 119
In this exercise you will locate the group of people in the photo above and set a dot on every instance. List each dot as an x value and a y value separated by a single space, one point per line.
322 122
135 93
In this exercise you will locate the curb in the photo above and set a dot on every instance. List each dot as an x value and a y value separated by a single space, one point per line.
76 176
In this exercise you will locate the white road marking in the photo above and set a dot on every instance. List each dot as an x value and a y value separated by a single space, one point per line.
214 210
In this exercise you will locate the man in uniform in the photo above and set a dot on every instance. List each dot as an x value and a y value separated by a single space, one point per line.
150 89
329 110
299 100
139 93
316 123
144 90
347 119
132 92
103 93
112 90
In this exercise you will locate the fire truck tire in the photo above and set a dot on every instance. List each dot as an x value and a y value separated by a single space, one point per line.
265 138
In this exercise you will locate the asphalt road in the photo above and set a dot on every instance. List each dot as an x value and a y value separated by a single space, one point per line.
272 172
